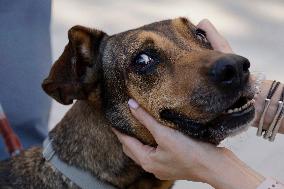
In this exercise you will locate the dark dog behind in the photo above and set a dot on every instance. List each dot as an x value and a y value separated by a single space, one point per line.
168 67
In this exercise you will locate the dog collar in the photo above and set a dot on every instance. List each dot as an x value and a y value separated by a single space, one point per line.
81 178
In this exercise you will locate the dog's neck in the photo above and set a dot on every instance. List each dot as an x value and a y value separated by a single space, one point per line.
83 138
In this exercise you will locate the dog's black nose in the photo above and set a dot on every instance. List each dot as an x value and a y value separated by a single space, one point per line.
231 71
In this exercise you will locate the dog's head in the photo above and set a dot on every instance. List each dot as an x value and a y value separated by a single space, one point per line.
168 67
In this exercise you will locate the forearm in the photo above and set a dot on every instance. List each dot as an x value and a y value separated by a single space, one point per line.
272 108
228 172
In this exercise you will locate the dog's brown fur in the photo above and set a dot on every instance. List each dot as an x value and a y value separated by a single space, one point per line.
98 71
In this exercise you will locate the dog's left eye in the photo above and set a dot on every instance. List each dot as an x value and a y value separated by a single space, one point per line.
201 35
144 64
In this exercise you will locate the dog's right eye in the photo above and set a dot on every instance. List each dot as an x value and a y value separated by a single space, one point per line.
144 64
143 60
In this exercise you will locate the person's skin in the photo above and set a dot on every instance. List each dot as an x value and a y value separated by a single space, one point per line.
272 108
180 157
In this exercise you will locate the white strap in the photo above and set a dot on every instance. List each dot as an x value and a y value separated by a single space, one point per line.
81 178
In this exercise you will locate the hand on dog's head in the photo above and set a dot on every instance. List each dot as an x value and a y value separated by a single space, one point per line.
168 67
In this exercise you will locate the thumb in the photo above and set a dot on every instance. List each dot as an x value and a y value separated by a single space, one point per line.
217 41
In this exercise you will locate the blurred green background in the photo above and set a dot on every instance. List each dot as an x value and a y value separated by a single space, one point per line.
254 29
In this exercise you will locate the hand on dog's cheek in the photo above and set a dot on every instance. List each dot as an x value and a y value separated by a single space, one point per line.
175 157
179 157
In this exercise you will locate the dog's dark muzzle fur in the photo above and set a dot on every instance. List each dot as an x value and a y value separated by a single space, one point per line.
228 110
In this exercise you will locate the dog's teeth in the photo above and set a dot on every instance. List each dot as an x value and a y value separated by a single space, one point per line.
249 103
230 111
236 109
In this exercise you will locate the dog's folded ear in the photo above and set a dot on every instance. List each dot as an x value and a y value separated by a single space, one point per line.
77 71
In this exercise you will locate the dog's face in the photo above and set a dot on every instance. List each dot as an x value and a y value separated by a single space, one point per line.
168 67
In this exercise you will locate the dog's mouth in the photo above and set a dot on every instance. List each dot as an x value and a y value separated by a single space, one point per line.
242 105
226 123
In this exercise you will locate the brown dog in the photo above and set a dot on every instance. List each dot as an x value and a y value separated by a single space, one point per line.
168 67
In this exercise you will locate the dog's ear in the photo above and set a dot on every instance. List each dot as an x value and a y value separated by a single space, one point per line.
77 71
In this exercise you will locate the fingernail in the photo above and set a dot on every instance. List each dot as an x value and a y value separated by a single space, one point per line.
133 104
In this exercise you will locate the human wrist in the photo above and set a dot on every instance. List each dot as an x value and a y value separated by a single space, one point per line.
260 99
226 171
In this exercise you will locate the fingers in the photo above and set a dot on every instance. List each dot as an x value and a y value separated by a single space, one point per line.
146 119
145 156
218 42
134 149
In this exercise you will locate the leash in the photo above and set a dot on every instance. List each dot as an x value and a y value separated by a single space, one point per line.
81 178
11 140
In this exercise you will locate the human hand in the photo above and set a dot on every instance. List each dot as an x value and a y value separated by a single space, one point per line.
175 157
218 42
271 112
179 157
